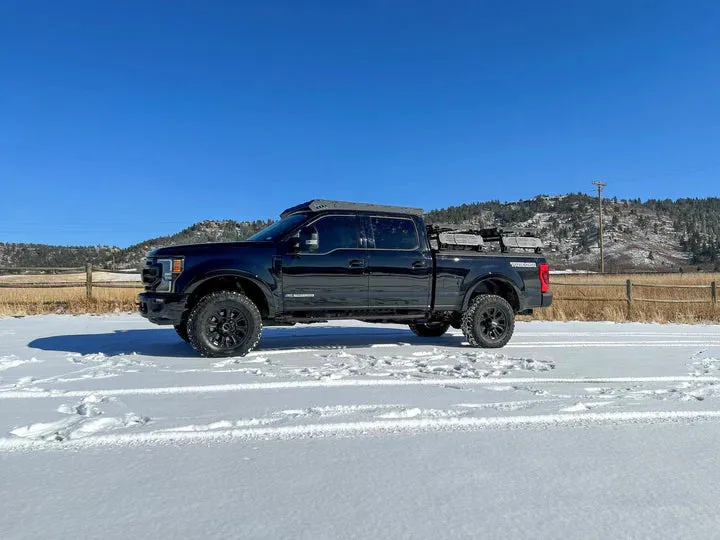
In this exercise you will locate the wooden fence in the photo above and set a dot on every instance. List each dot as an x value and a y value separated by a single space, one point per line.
88 283
629 298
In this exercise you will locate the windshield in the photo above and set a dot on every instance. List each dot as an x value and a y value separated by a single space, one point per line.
278 229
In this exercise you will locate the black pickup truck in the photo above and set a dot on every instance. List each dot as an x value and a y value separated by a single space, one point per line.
336 260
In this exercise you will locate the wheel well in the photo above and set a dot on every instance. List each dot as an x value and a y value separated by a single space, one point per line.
231 283
500 288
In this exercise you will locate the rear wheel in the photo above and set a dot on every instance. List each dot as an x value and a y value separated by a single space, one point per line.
431 329
489 322
182 331
224 323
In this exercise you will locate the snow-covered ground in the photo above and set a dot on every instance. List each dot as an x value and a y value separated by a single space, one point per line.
98 276
113 428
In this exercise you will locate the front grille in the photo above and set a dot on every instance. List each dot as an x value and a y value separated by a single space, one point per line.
151 276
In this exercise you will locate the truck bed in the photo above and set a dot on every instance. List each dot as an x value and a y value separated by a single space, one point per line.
456 272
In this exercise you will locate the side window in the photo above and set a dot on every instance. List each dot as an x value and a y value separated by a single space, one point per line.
393 233
329 233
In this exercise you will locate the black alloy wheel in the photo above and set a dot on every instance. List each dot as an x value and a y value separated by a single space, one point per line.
489 322
224 323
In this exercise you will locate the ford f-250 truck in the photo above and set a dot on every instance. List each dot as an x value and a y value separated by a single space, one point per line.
336 260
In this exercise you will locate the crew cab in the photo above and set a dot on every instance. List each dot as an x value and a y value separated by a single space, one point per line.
328 260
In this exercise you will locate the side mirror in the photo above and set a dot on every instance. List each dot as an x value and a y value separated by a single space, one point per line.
293 244
309 240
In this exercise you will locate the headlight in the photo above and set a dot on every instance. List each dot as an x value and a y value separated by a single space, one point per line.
171 269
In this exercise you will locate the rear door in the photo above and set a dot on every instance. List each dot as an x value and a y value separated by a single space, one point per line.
329 273
400 268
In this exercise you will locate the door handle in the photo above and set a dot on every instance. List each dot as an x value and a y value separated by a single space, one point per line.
419 264
357 263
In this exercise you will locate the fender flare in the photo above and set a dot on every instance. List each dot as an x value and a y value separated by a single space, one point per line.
253 278
481 281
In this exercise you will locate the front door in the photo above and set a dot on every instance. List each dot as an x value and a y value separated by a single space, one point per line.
328 272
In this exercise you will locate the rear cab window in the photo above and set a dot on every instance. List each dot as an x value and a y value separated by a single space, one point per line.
394 233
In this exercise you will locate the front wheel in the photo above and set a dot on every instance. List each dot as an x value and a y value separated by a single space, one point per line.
224 323
489 322
431 329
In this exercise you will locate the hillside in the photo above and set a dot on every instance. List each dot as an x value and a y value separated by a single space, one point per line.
205 231
656 234
650 235
13 255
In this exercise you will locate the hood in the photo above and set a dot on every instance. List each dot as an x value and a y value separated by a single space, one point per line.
205 247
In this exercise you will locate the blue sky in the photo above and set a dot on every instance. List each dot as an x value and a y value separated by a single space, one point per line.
120 121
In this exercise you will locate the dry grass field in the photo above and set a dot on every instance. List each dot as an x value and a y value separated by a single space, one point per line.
27 301
613 307
17 302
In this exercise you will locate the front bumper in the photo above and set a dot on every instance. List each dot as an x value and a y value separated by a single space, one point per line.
162 308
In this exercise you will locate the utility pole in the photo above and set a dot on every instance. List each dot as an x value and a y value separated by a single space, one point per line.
600 187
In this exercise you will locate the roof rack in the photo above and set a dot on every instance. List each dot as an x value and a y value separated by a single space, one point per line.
317 205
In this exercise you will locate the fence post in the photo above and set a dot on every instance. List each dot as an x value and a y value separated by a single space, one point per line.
713 293
628 289
88 280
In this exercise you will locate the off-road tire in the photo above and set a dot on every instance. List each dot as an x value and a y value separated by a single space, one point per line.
435 329
477 322
224 323
182 331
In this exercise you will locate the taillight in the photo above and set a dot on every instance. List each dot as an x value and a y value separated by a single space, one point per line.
544 273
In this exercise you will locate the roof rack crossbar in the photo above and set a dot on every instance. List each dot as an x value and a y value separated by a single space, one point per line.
317 205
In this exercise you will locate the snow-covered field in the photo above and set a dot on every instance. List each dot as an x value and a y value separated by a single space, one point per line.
113 428
98 276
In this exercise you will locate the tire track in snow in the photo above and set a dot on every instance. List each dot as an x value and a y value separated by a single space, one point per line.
514 345
12 361
364 428
692 335
591 344
340 383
